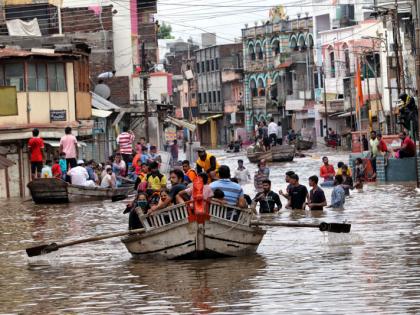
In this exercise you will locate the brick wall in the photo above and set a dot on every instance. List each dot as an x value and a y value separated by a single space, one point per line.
86 20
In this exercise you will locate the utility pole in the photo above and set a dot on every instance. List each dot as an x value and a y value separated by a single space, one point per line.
388 77
396 31
400 56
325 99
145 76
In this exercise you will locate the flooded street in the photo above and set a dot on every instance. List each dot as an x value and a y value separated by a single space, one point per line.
375 270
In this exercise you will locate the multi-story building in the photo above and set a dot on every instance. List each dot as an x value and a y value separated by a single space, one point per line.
279 68
46 89
218 77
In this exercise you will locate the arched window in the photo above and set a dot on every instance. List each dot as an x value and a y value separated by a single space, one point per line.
253 88
346 59
259 51
293 42
261 87
276 47
301 42
310 41
332 61
251 51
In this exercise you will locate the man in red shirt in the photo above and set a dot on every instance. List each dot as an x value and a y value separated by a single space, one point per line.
327 171
36 150
408 147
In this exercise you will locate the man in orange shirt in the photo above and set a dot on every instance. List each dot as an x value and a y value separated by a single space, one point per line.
327 171
190 174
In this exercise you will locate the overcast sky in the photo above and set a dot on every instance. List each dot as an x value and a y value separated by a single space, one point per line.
225 18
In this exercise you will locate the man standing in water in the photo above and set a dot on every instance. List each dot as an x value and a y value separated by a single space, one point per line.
338 196
327 171
316 197
268 199
298 194
272 132
241 173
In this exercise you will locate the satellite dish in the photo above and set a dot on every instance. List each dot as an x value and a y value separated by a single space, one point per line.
103 90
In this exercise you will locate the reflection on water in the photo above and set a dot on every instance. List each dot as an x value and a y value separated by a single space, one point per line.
374 270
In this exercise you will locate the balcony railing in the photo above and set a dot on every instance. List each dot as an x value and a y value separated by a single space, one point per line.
259 102
211 108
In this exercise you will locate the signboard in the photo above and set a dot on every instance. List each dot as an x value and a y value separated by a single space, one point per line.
170 134
58 115
8 104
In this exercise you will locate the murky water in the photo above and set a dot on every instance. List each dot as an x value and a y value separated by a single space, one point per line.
375 270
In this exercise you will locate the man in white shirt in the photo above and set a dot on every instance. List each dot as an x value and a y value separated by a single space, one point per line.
279 134
272 132
241 173
79 175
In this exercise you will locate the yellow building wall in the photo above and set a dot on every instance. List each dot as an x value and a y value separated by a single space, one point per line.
71 115
42 102
21 118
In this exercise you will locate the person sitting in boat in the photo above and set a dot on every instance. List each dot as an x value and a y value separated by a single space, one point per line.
262 173
207 162
90 170
338 196
298 194
259 145
218 197
156 181
56 169
138 207
327 171
79 176
164 201
289 185
234 195
347 180
46 171
141 180
154 156
177 181
269 201
241 173
119 168
189 173
186 194
108 180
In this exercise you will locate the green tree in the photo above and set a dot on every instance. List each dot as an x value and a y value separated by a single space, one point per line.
165 31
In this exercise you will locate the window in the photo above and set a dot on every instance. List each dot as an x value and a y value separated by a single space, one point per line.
217 63
210 97
218 96
332 62
2 82
14 75
214 97
260 52
197 67
56 77
205 97
212 65
202 67
37 77
253 87
199 99
207 65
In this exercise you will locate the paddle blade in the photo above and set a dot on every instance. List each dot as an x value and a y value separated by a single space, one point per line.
41 249
335 227
118 198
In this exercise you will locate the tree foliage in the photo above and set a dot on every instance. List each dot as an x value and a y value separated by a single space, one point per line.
165 31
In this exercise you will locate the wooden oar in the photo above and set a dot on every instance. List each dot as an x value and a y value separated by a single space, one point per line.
323 227
45 249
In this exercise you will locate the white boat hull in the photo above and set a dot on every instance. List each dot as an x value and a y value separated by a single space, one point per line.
171 235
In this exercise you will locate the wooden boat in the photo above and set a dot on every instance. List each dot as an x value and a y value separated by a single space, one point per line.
302 144
283 153
279 153
177 233
53 190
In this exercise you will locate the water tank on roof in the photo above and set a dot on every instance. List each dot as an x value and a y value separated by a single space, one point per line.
103 90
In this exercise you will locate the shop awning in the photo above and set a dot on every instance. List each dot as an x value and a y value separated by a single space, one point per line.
100 103
215 116
101 113
181 123
348 114
201 121
56 144
5 163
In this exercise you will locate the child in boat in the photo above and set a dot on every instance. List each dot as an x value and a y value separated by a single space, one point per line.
219 196
56 169
63 165
46 170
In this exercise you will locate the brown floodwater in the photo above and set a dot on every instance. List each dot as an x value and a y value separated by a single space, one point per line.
374 270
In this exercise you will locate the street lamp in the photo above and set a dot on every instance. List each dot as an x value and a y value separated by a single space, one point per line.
385 42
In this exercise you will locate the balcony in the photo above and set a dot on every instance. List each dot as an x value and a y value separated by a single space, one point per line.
255 65
210 108
259 102
230 75
282 60
335 105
